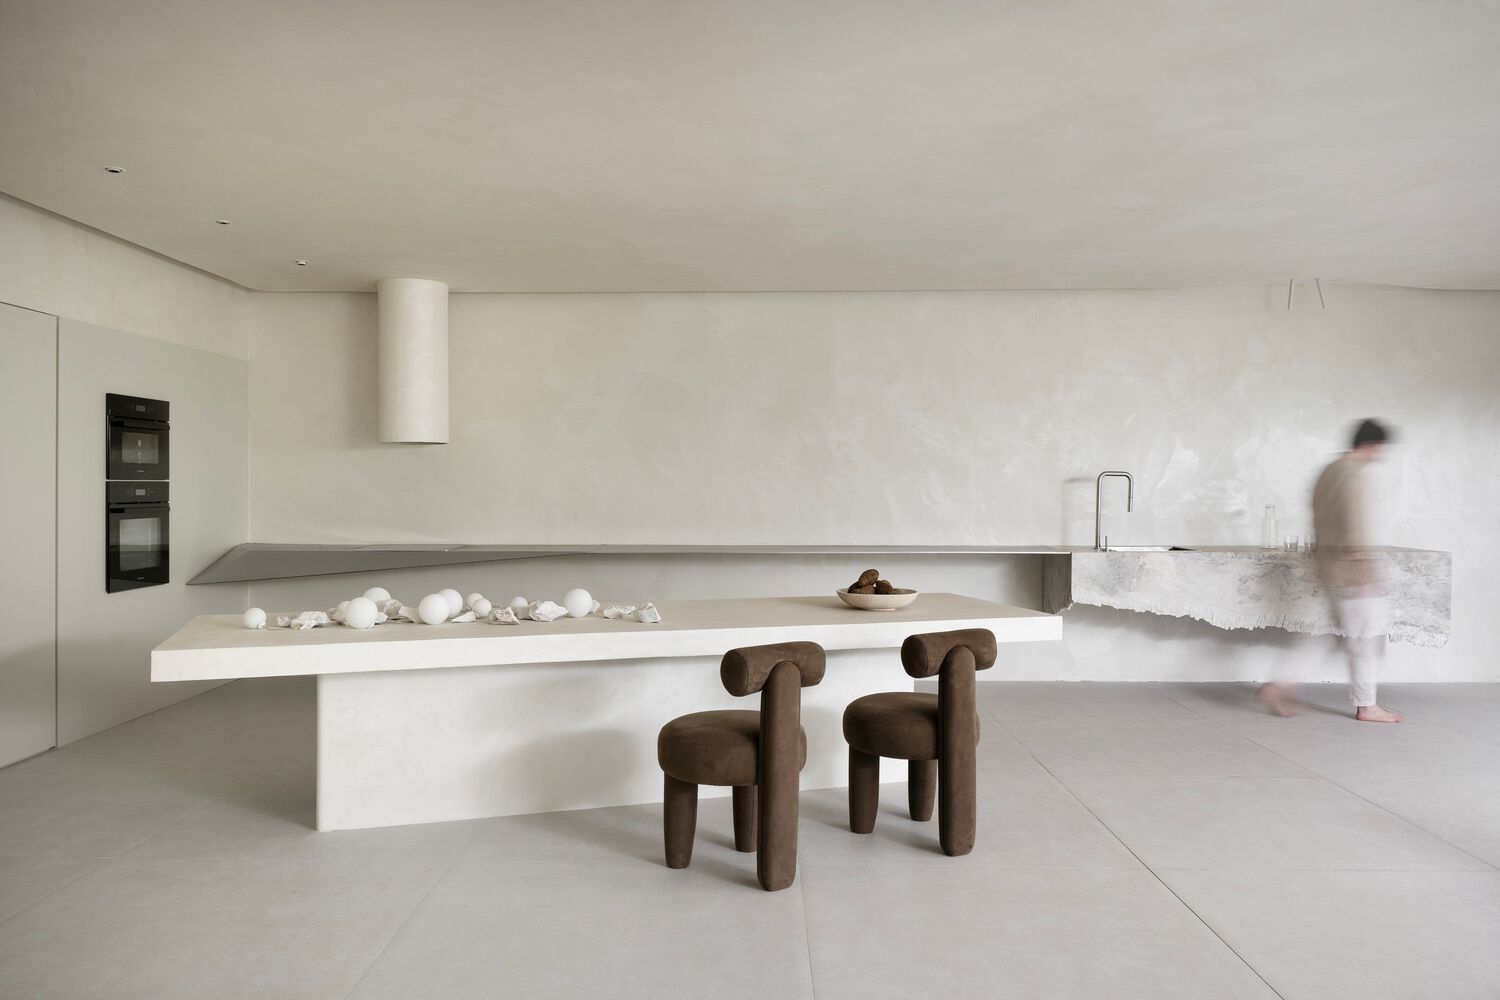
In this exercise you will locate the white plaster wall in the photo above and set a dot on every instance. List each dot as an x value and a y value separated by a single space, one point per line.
905 417
104 640
57 266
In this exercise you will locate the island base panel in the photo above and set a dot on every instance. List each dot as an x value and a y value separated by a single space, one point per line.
424 746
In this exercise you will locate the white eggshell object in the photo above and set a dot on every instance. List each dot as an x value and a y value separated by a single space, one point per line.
480 606
519 603
579 602
378 594
455 601
433 609
360 613
469 601
255 618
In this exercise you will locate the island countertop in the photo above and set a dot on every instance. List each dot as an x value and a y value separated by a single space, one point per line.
215 647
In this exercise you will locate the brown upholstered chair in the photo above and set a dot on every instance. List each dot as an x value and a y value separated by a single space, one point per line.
935 733
760 754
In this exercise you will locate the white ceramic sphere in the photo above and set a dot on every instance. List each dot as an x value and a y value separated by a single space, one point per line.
455 601
360 613
255 618
433 609
579 602
519 603
378 594
481 607
469 601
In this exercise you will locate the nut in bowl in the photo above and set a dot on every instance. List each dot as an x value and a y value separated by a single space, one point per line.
871 593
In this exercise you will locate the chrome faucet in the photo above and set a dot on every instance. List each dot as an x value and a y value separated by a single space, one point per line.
1100 543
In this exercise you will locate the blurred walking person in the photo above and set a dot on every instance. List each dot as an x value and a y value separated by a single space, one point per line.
1350 571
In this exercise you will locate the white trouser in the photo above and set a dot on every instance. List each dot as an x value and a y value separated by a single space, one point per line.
1362 619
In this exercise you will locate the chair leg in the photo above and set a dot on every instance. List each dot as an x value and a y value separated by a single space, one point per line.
864 790
958 732
956 805
744 818
679 820
921 788
778 769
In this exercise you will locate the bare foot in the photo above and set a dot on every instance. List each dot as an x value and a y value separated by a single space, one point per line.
1374 713
1277 697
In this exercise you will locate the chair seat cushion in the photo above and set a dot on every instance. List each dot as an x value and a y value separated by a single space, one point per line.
715 748
900 724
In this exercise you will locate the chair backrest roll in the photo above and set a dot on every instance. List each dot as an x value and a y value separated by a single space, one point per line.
744 671
923 655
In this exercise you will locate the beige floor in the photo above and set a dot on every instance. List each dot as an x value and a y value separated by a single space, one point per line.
1147 841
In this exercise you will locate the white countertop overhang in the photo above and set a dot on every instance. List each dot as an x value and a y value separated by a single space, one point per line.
219 647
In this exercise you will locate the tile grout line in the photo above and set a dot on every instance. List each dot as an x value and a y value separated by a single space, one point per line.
207 801
42 899
1139 860
399 928
1346 789
812 982
102 862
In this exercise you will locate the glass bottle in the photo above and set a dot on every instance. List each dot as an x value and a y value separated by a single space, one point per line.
1268 533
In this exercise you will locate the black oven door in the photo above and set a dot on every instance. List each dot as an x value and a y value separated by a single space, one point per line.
137 553
138 449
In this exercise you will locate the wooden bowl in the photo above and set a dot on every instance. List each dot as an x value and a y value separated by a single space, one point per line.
877 602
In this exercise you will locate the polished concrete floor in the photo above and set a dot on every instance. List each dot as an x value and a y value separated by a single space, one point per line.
1135 840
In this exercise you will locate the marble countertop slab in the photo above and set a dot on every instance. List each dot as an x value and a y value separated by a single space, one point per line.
1236 587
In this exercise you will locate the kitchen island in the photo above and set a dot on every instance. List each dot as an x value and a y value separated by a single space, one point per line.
420 723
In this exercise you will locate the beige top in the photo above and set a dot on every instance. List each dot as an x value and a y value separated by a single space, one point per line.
1341 525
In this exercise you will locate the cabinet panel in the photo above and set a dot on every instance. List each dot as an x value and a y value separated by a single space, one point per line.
28 569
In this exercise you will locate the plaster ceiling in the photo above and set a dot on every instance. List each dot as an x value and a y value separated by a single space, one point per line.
617 145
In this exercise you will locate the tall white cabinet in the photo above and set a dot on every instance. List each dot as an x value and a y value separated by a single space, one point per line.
28 567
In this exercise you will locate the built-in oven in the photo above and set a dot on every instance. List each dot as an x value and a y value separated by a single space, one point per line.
139 437
136 529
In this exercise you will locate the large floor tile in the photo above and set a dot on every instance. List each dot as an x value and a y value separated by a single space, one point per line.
620 834
597 930
274 815
1413 749
192 929
1465 812
24 881
1072 749
1026 820
1372 936
1470 709
78 812
1237 705
1260 823
1079 701
985 932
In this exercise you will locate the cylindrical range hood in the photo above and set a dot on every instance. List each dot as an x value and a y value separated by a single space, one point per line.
413 360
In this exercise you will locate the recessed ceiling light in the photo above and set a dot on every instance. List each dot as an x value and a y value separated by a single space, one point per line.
114 170
301 262
222 222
